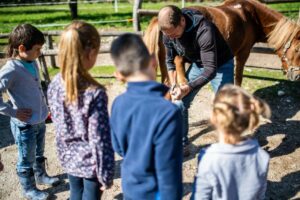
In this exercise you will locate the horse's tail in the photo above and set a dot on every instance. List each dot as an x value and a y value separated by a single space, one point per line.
152 38
154 43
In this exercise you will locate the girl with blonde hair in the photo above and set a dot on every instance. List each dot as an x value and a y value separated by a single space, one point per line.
235 167
78 104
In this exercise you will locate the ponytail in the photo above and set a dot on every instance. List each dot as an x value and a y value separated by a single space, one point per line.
258 108
78 38
235 111
70 58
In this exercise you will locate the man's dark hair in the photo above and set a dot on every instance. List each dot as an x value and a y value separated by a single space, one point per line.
24 34
129 54
169 16
175 15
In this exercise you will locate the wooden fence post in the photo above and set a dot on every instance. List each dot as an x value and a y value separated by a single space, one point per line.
44 69
73 8
49 45
136 19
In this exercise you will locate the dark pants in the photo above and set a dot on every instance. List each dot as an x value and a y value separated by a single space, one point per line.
84 188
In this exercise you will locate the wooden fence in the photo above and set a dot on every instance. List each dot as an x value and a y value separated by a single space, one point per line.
52 52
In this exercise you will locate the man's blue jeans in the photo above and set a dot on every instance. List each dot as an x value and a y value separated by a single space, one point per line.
30 140
225 74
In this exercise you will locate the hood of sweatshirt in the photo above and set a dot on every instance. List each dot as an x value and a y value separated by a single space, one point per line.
244 146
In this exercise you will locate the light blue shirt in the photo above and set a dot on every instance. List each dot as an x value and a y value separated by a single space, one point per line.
232 172
24 90
30 66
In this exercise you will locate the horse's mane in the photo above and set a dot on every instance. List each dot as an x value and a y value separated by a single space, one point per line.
151 37
284 31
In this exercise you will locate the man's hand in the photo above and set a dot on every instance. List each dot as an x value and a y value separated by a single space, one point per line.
23 114
179 92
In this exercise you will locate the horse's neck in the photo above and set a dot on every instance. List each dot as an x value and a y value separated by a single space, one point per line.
267 17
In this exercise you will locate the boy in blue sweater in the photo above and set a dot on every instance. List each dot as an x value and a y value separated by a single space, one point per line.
146 128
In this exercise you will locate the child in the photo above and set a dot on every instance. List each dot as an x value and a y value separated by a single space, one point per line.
78 105
235 167
20 77
146 128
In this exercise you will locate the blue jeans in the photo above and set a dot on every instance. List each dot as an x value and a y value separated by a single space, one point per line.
225 74
84 188
30 141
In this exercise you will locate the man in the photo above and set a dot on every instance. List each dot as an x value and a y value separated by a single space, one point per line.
187 33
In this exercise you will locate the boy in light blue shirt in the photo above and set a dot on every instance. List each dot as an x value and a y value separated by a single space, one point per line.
20 78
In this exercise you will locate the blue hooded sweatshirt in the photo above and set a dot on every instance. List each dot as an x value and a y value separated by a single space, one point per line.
146 132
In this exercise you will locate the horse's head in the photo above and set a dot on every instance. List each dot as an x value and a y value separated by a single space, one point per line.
286 39
290 58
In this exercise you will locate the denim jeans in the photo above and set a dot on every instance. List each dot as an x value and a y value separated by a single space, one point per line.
225 74
84 188
30 141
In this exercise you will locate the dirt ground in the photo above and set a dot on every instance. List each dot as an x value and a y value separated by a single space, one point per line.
281 138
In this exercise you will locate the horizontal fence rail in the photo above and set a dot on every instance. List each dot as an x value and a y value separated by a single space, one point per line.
49 51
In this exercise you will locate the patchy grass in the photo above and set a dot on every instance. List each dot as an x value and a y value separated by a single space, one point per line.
266 84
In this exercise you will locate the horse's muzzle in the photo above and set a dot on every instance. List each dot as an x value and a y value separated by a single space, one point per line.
293 73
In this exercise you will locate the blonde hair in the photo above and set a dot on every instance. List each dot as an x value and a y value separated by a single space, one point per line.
235 111
78 38
284 31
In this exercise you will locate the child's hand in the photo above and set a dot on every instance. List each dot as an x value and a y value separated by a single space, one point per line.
24 114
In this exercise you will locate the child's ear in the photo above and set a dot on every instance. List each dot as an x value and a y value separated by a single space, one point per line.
21 48
119 76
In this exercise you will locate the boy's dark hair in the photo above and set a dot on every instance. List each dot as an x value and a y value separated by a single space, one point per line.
129 54
24 34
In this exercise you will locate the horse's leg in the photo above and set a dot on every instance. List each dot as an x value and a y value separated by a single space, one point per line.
180 69
165 77
163 70
240 59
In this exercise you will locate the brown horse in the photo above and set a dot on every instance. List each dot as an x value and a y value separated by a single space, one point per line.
242 23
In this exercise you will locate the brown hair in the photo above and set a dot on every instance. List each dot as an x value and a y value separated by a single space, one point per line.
130 54
23 34
76 39
235 111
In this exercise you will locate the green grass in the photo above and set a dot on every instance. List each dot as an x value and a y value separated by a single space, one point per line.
102 74
266 83
59 14
255 79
